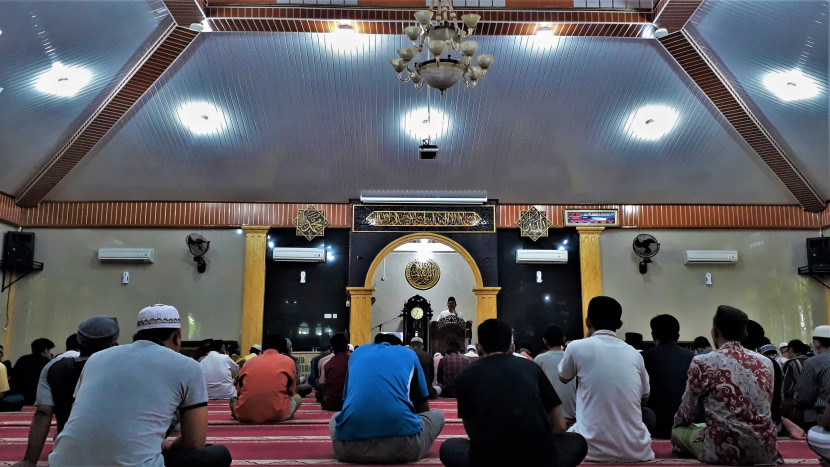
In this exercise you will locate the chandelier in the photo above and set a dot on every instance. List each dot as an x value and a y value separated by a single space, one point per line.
444 36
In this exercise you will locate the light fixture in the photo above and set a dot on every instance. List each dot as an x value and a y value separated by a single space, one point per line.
651 122
445 36
790 85
344 38
426 123
402 200
544 37
202 118
64 81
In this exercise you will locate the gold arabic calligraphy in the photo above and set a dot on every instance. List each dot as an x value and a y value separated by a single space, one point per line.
424 219
422 275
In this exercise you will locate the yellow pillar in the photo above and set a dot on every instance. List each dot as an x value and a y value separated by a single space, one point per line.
486 302
590 267
360 319
253 296
7 340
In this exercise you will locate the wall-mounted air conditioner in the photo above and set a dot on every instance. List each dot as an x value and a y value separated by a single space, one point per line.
302 255
126 255
710 257
541 256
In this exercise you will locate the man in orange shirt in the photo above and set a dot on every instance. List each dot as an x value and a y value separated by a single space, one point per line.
267 385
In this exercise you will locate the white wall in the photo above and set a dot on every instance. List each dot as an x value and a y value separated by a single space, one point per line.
764 283
74 285
390 294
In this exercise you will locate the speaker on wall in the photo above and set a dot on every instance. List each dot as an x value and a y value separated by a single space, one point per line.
18 251
818 252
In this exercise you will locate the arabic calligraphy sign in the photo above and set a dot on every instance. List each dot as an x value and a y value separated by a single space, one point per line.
533 223
452 219
311 223
422 275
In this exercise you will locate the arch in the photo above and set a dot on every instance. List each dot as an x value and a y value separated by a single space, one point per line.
419 236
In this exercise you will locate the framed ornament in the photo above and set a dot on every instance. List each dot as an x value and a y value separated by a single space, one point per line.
311 223
422 274
533 223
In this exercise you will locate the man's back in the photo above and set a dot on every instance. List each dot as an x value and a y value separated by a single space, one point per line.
448 368
549 362
377 401
506 400
126 399
667 365
736 388
336 370
219 370
25 375
611 381
813 387
266 384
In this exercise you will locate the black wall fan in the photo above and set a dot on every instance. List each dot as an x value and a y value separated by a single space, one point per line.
198 246
645 246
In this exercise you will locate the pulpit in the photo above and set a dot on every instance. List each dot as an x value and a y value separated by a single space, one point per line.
450 328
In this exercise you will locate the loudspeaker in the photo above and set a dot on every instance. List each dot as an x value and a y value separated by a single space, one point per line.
18 251
818 252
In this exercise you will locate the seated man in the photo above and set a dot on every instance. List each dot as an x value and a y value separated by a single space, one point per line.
667 365
813 387
549 363
449 367
255 351
738 430
818 438
128 396
510 411
26 371
417 346
379 424
266 385
57 386
219 372
336 370
612 384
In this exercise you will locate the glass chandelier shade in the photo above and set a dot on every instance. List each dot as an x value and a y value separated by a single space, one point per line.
450 54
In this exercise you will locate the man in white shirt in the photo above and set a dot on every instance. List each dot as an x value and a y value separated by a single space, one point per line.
219 372
549 361
612 384
471 351
450 310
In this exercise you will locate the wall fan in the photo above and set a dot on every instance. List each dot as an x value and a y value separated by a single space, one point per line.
198 247
645 246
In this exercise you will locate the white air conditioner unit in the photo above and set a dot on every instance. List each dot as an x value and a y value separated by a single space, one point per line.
710 257
541 256
302 255
126 255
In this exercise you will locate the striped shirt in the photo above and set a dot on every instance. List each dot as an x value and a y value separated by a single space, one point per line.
813 388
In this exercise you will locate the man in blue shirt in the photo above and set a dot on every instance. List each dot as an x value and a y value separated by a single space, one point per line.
386 417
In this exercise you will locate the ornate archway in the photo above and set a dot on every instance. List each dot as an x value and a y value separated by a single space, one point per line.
360 321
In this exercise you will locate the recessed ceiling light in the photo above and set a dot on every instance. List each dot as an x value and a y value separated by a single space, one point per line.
423 123
202 118
651 122
344 38
64 81
544 37
790 85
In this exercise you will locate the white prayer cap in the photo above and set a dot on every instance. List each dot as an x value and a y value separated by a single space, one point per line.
159 316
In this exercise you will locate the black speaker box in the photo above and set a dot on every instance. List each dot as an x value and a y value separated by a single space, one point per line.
818 252
18 251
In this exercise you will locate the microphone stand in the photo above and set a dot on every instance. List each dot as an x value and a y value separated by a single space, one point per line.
380 326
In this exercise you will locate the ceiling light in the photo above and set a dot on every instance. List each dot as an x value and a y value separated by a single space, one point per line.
344 38
444 37
202 118
64 81
405 200
651 122
790 85
544 37
423 123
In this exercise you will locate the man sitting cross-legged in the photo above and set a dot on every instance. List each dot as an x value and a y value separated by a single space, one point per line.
336 371
510 411
127 397
735 386
57 386
379 424
611 386
266 385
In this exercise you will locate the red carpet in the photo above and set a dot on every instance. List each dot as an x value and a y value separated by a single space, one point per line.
305 440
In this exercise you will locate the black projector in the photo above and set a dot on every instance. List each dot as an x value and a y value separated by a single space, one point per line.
428 151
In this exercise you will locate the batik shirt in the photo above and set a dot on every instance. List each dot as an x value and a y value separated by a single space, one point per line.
735 387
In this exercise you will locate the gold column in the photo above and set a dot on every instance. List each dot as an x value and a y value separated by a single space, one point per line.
7 340
360 318
253 296
590 267
485 303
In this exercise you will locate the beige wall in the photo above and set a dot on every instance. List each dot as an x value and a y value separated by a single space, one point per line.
764 283
456 281
74 285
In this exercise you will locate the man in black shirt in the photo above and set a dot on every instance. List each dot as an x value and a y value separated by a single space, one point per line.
427 364
26 371
667 365
510 411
